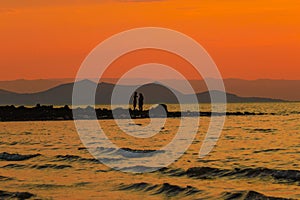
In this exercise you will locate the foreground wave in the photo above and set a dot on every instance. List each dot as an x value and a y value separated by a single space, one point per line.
170 190
289 176
16 157
15 195
166 189
248 195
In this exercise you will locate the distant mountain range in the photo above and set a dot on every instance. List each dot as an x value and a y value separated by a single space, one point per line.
153 92
265 88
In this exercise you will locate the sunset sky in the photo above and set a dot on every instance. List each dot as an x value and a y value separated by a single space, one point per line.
248 39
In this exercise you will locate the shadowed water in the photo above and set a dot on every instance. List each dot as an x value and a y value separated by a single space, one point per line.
256 157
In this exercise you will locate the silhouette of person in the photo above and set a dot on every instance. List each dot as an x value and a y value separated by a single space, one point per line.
141 101
135 97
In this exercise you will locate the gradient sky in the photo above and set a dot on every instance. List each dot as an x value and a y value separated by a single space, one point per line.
248 39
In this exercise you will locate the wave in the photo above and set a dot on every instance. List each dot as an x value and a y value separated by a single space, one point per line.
46 186
45 166
14 166
16 157
175 190
212 173
56 186
137 153
51 166
172 172
139 150
9 143
268 150
248 195
138 169
105 150
166 189
262 130
73 158
128 152
15 195
80 184
4 178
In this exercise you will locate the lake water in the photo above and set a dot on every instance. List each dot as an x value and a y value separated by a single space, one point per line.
254 156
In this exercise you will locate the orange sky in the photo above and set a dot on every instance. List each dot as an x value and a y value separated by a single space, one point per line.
247 39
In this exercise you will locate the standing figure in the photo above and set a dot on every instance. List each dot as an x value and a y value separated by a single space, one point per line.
135 96
141 101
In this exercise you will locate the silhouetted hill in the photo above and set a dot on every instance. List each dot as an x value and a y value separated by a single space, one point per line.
4 92
265 88
32 86
283 89
154 93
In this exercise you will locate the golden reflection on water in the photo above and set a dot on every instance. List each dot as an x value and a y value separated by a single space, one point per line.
267 141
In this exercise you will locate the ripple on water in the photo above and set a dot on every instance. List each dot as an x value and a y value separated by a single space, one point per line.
262 130
15 195
73 158
15 166
16 157
166 189
248 195
4 178
268 150
50 166
286 176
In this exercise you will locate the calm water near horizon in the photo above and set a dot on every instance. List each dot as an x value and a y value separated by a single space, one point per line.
254 153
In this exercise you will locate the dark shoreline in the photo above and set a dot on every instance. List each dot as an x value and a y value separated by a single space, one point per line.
49 113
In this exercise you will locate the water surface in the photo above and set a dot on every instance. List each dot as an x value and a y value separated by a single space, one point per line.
254 153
